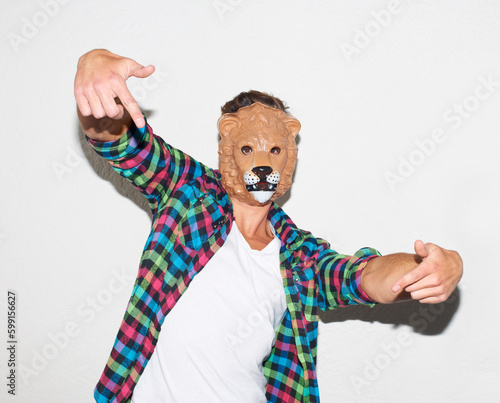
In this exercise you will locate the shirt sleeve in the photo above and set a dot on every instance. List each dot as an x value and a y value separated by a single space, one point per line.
339 279
154 167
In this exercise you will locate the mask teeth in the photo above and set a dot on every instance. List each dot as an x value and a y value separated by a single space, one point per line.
271 187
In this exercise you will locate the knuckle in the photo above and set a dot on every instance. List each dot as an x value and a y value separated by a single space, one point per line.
115 79
99 85
87 89
78 91
114 113
84 108
128 101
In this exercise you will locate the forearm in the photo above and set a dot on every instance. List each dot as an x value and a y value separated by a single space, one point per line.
104 129
381 273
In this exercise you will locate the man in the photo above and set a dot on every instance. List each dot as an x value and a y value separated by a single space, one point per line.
245 330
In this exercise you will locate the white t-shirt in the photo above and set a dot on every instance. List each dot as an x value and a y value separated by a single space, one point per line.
212 344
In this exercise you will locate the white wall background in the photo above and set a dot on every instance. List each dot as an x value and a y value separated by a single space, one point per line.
71 232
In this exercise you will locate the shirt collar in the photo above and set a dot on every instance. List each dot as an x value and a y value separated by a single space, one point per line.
286 230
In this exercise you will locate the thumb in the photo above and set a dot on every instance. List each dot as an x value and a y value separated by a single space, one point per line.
420 249
140 71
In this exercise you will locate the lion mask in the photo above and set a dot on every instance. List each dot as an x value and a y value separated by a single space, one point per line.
257 153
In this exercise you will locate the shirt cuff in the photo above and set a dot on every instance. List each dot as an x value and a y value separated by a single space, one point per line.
122 149
361 259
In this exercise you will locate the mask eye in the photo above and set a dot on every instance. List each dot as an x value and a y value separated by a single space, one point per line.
275 150
246 150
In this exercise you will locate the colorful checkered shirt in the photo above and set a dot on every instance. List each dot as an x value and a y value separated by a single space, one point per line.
192 216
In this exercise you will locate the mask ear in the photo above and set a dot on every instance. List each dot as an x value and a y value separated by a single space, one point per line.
292 126
227 123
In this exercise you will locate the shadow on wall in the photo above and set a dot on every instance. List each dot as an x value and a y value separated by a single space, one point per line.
426 319
104 170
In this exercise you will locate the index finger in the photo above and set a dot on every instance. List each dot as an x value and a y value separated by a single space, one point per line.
130 104
418 273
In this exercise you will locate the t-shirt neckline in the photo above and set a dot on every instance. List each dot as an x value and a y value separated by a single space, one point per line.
268 249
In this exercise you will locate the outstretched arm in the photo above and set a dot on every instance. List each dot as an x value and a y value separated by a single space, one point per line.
104 104
117 131
429 276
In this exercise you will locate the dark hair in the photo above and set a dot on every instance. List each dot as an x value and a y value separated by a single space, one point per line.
250 97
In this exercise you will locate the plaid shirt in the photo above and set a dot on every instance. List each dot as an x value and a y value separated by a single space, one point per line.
192 216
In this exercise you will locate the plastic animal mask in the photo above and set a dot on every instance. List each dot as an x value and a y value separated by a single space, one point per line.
257 153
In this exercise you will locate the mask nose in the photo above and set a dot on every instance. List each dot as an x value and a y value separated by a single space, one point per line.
262 172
